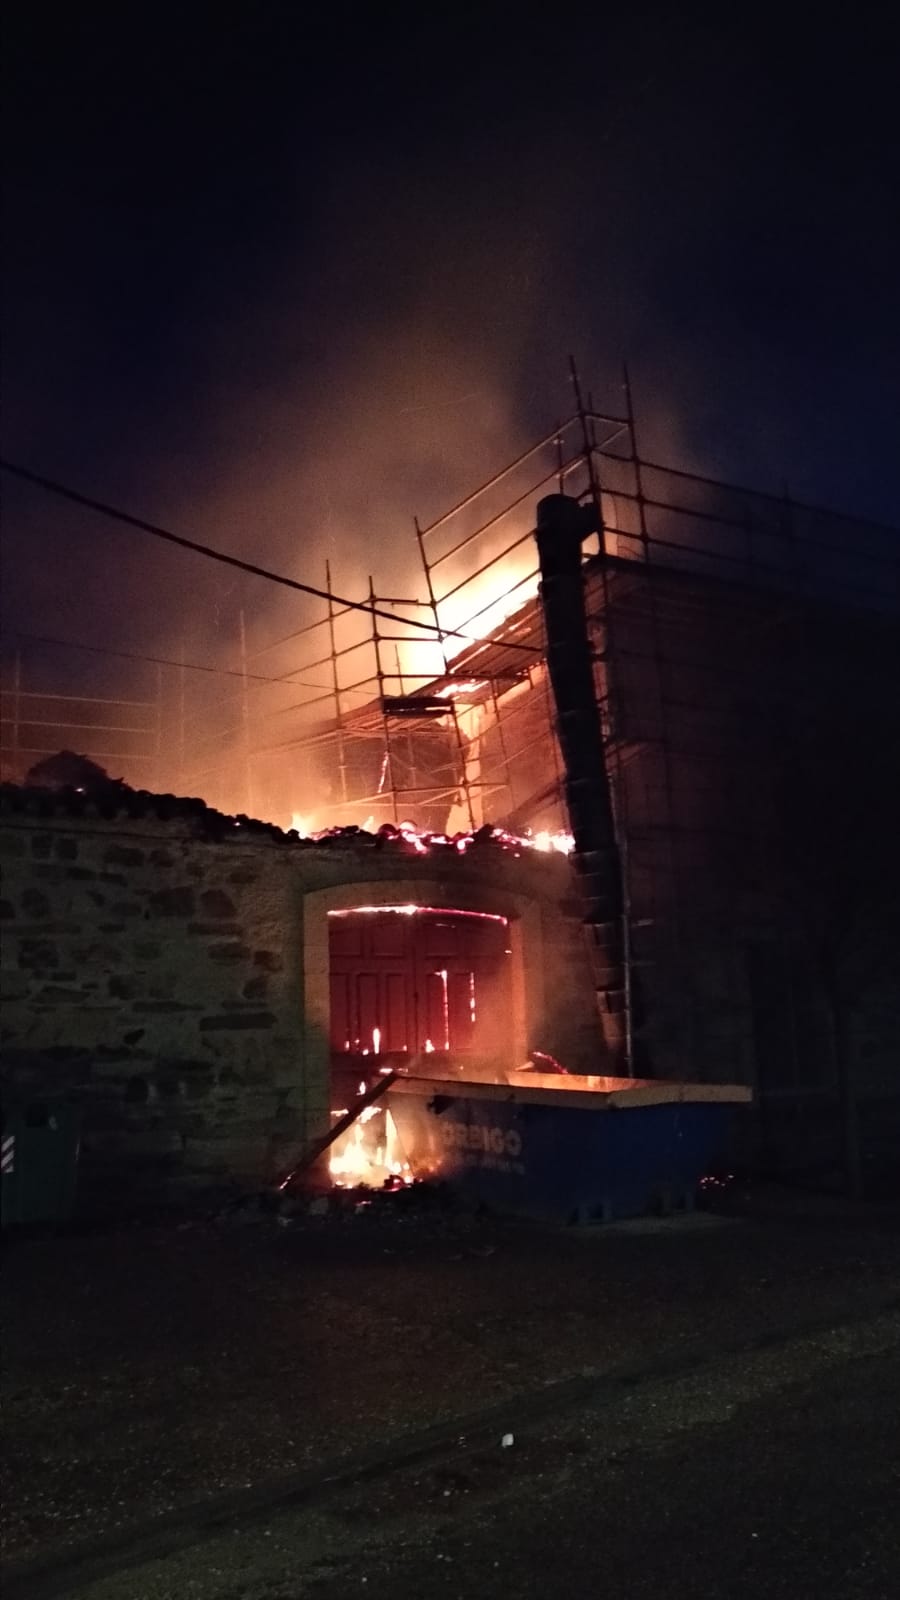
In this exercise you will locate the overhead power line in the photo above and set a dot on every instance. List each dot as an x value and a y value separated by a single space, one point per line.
116 514
166 661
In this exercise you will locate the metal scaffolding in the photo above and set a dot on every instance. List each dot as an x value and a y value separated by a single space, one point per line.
38 723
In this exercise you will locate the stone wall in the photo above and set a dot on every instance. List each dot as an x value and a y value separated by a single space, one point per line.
157 976
174 979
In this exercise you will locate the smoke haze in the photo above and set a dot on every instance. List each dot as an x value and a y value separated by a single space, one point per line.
282 290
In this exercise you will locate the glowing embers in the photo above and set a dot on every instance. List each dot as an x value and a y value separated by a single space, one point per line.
415 911
406 834
547 843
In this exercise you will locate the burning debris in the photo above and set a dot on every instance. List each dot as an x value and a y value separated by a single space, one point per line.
71 783
420 842
370 1153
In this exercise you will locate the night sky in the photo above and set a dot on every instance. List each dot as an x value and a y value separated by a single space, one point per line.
282 277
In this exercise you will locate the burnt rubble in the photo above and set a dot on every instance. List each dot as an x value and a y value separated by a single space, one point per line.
112 800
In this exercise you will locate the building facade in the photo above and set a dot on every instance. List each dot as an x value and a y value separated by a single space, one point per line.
209 990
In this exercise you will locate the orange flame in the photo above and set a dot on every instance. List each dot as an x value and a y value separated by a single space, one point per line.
370 1153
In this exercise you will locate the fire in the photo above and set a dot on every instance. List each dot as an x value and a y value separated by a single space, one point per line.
411 835
309 826
545 841
444 976
484 602
421 841
369 1153
416 910
563 843
458 691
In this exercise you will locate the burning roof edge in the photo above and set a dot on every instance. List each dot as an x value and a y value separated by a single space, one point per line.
118 802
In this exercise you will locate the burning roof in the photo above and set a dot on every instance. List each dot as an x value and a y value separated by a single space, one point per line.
119 801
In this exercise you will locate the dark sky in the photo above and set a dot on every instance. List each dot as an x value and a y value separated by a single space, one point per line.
285 275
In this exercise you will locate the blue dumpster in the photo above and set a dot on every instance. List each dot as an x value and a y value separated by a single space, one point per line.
571 1148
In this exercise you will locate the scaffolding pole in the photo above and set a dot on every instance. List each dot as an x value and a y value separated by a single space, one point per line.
182 746
17 697
245 719
159 725
432 600
335 679
380 675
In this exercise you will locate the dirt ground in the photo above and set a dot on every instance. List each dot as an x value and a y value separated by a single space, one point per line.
232 1365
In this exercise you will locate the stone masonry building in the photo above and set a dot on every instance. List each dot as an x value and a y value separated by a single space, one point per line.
171 968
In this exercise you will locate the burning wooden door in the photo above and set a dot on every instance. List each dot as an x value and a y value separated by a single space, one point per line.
419 981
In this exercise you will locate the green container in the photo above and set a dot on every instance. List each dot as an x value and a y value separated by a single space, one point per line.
40 1142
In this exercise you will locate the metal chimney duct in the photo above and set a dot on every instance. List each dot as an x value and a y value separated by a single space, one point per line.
562 526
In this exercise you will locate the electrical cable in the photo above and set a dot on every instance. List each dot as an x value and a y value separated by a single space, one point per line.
116 514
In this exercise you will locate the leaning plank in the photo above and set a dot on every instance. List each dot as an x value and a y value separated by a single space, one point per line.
318 1146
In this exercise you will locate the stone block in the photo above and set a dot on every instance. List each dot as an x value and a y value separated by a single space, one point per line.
35 903
38 954
105 954
168 1086
121 855
156 1147
184 1066
228 953
197 1087
217 904
173 902
237 1019
225 1157
164 1007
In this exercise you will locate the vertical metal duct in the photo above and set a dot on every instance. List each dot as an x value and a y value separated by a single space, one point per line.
562 527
